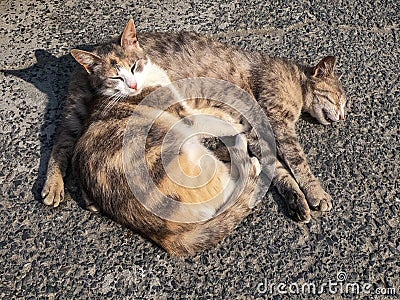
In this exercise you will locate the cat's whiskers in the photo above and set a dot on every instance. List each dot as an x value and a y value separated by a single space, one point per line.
112 100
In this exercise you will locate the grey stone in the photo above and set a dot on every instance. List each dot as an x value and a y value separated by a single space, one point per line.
69 253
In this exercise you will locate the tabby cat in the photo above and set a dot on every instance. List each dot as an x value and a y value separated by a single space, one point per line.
283 88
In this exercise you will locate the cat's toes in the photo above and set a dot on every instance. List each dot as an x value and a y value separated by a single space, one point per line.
298 207
319 200
93 208
246 125
325 203
53 192
54 196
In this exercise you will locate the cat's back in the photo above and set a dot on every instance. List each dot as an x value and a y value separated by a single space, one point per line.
187 55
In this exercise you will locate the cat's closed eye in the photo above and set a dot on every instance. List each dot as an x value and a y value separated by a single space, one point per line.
117 78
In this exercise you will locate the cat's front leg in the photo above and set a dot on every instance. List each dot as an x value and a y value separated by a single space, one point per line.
290 191
292 154
53 189
68 133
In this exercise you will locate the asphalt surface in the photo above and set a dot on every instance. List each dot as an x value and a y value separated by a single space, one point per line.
69 253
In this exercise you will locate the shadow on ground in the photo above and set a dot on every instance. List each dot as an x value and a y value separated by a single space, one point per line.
50 75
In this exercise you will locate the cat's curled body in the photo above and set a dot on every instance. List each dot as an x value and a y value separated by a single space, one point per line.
99 165
103 109
283 88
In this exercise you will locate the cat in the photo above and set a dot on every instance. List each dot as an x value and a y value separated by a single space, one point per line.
208 205
283 88
98 162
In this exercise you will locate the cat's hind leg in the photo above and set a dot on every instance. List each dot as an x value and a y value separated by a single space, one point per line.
289 189
244 171
215 126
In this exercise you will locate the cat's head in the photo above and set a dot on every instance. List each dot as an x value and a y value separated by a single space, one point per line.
328 99
116 70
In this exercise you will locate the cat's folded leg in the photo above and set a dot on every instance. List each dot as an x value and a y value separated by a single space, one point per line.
289 189
217 127
244 171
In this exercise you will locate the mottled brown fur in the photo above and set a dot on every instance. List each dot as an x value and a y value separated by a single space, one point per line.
98 164
283 88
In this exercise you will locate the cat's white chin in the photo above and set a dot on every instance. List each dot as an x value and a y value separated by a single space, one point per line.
327 119
324 122
134 92
321 116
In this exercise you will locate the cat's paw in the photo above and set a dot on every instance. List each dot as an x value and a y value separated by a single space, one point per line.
246 125
88 204
318 199
53 190
256 165
93 208
241 127
298 207
238 128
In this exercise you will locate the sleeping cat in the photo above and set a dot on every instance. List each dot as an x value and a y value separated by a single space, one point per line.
195 216
283 88
196 200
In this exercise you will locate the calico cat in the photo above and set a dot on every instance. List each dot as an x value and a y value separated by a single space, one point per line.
182 228
210 197
283 88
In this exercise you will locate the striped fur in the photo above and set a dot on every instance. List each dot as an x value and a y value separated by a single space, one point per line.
283 88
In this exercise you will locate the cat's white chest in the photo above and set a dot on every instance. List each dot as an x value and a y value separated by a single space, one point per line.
152 75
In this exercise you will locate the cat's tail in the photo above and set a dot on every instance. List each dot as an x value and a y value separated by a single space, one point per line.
189 238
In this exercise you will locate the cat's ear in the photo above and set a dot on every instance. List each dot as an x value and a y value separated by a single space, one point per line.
325 67
87 59
128 38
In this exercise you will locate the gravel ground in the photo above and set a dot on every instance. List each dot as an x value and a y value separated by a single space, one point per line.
69 253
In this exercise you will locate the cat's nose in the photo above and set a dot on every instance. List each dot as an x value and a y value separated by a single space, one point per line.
132 84
341 114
